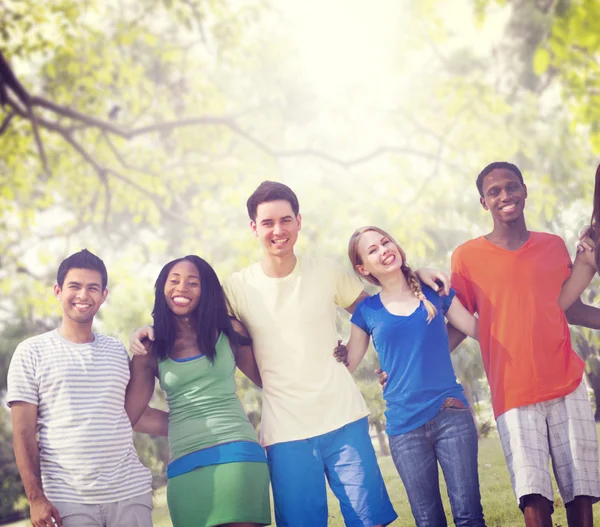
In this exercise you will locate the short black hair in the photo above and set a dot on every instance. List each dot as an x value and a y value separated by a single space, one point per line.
271 191
83 259
493 166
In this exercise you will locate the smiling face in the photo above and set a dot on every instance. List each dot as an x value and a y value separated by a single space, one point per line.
277 227
182 288
504 195
379 255
81 295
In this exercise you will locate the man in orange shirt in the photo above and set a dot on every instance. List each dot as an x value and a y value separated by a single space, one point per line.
512 279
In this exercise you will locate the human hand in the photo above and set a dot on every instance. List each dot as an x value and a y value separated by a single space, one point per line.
136 347
383 377
586 242
43 513
437 280
340 352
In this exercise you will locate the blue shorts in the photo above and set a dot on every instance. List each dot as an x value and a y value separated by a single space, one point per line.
347 458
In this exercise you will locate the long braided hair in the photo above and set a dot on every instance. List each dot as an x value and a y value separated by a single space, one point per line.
409 274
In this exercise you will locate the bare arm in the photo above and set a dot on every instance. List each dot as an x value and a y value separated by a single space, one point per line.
582 273
24 419
357 347
455 336
461 319
244 354
431 277
581 314
154 422
143 370
358 300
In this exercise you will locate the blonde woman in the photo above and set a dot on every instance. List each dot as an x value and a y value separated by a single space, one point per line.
428 418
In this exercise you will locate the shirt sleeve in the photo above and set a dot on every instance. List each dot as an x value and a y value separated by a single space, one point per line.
564 257
462 284
358 318
230 298
21 381
447 300
347 286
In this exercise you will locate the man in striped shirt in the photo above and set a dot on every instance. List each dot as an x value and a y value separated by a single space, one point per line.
68 387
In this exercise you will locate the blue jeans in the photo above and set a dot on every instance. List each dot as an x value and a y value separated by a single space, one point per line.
450 438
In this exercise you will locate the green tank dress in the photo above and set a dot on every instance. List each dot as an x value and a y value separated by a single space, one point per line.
218 472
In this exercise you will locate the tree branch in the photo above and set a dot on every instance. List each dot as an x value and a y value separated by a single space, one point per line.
38 141
6 121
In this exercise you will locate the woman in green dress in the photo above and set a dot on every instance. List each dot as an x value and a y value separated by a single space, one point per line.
217 474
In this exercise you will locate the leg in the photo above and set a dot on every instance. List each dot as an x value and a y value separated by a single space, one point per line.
579 512
414 456
133 512
456 450
524 437
537 511
574 452
354 476
298 482
79 515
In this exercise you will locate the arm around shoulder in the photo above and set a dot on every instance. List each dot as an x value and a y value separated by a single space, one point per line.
582 273
244 353
143 370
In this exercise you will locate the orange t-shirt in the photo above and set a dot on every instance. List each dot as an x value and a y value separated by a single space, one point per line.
523 333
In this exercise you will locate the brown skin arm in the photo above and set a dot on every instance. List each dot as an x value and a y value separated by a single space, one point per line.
154 422
244 355
24 420
143 370
581 314
455 337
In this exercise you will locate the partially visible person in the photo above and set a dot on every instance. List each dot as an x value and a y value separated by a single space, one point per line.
428 420
587 259
512 279
72 437
218 474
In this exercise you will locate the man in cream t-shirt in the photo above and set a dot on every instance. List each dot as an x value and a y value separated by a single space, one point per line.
314 418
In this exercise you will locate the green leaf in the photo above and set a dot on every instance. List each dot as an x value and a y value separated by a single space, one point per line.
541 61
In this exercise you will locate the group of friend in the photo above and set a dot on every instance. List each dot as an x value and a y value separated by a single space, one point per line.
75 394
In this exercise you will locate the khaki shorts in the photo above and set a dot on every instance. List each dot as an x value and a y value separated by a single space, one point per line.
561 429
133 512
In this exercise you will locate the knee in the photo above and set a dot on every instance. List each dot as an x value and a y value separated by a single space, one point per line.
535 501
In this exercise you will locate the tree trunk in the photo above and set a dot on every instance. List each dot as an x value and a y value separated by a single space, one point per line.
594 382
384 449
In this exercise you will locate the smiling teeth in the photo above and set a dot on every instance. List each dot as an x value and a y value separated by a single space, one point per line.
509 207
181 300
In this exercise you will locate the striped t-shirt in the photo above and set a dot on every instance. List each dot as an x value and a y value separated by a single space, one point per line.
85 441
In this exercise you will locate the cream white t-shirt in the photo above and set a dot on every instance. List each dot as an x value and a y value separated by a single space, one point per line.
292 322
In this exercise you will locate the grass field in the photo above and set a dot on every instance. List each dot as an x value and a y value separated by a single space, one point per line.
499 505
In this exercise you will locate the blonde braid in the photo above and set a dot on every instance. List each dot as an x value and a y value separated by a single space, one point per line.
415 285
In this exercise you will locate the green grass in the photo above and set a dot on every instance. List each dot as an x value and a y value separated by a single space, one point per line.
499 504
